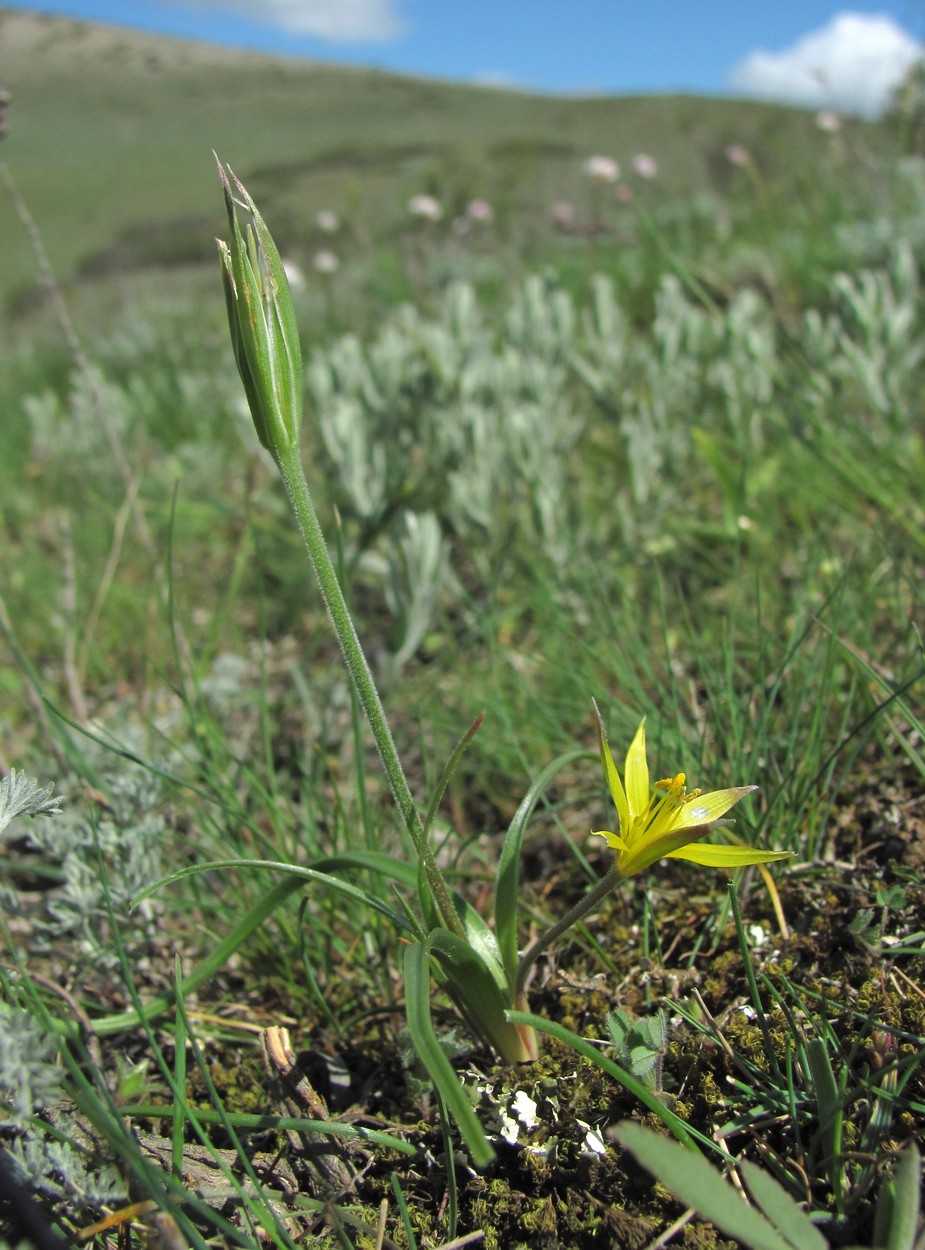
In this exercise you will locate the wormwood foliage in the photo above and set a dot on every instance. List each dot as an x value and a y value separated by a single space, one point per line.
21 795
446 428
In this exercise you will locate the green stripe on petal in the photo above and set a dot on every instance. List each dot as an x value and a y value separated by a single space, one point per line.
636 774
711 856
614 784
613 839
645 850
706 808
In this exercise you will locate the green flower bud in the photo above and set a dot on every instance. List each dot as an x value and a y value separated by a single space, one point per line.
262 321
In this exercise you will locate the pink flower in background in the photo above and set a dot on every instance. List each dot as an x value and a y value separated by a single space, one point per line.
602 169
327 220
737 155
644 165
480 212
325 261
563 216
425 207
828 121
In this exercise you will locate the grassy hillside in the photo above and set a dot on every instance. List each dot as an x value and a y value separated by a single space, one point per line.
111 132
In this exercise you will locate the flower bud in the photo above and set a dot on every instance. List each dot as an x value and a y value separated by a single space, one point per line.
262 321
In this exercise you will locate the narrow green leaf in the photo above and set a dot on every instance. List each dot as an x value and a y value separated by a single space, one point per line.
280 1123
904 1215
695 1183
448 770
403 1211
293 880
260 912
179 1076
828 1099
436 900
292 870
388 866
507 888
439 1068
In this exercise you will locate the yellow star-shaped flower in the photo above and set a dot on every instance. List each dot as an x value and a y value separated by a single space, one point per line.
666 824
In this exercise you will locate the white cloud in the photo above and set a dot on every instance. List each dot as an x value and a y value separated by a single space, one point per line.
339 21
852 64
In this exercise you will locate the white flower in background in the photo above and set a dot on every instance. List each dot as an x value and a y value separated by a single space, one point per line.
828 121
480 212
644 165
327 220
325 261
563 215
294 275
425 207
602 169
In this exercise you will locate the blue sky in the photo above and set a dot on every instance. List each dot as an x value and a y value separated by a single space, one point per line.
813 52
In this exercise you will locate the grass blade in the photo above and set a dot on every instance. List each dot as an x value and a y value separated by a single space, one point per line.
507 890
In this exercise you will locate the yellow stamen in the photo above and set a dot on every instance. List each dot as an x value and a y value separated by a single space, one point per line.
674 785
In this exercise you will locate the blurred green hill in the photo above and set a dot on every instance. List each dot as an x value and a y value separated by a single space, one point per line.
110 134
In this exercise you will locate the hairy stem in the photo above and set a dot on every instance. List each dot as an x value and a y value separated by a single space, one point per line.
293 474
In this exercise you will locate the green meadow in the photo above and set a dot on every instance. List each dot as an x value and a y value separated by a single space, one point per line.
281 963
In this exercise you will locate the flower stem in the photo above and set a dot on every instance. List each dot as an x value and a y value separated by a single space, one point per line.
581 908
289 461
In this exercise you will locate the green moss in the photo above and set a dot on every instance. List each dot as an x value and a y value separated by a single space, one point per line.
540 1219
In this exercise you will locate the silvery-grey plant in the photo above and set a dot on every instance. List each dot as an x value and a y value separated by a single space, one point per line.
75 916
46 1145
49 1148
439 416
872 340
417 571
21 795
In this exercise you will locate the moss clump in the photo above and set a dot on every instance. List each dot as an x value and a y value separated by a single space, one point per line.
540 1219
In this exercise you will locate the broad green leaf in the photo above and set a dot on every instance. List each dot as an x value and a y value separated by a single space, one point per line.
697 1184
483 941
787 1217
